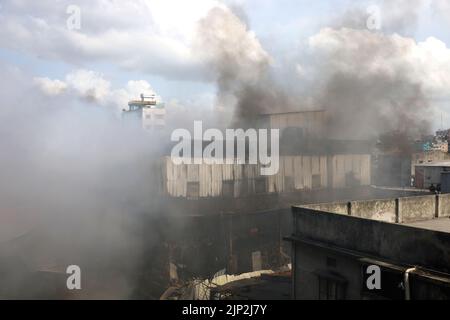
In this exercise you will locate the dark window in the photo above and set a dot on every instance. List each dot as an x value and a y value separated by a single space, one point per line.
330 289
228 189
260 185
316 181
193 190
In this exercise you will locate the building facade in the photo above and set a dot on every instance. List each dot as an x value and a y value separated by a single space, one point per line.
338 249
296 173
147 113
430 174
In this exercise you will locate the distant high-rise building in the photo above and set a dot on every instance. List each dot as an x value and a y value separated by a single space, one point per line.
147 112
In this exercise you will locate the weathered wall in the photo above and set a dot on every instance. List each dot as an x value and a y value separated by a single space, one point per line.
295 173
320 237
311 259
335 207
416 208
444 205
395 242
381 210
401 210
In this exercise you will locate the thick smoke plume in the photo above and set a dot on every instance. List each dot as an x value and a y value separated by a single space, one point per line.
240 65
75 186
369 81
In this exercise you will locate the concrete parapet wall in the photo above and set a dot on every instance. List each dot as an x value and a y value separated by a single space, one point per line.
413 209
381 210
394 242
444 205
335 207
401 210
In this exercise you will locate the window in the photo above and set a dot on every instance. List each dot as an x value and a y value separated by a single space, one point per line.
193 190
228 189
331 286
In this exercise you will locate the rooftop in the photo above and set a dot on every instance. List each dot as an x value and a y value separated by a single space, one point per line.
409 231
429 212
440 224
435 164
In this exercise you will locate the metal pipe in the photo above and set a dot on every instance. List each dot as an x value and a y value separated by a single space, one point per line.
406 283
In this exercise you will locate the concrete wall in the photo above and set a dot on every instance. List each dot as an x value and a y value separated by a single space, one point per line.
320 237
444 205
394 242
313 259
401 210
381 210
335 207
413 209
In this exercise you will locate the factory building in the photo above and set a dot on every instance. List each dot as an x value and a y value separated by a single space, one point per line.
380 249
296 173
309 161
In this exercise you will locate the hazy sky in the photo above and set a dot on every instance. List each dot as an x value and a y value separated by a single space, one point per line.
127 46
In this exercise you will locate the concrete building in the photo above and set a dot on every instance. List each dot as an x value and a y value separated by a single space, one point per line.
427 157
146 112
336 247
430 174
